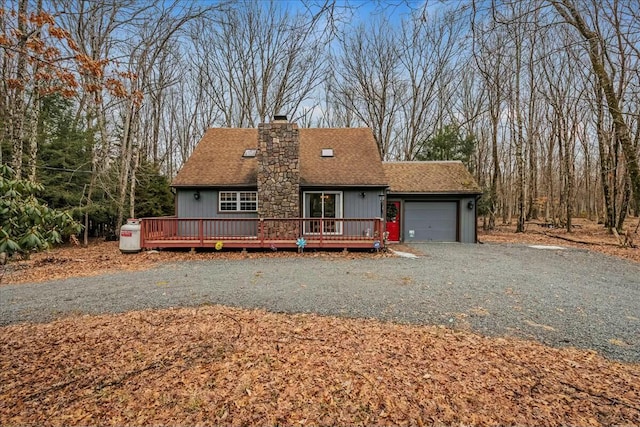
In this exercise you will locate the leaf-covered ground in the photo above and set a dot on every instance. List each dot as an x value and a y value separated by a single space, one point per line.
214 365
586 235
103 257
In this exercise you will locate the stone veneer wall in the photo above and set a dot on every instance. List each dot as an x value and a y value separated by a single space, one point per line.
278 170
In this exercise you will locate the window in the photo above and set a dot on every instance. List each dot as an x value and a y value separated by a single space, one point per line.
327 152
238 201
250 152
325 206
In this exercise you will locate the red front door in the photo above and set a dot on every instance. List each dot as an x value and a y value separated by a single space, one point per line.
393 221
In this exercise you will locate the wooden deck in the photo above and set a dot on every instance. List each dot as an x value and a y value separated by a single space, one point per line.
247 233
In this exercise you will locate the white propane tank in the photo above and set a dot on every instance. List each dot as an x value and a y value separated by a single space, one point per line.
130 236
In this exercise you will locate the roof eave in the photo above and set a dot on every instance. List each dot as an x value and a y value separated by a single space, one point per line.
241 185
433 193
345 185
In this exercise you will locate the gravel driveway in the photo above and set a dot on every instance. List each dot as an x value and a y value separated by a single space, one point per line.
564 297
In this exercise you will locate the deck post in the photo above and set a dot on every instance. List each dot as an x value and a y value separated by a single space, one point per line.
142 225
201 232
261 232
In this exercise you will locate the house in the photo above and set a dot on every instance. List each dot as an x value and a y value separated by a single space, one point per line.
431 201
282 186
269 186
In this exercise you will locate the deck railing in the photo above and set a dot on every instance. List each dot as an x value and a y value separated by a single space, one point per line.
260 232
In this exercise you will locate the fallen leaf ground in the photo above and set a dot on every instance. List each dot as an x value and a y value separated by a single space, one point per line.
586 235
214 365
217 365
104 257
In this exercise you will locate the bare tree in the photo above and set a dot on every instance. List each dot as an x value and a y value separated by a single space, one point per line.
23 52
92 26
157 30
258 60
600 50
490 61
369 76
430 50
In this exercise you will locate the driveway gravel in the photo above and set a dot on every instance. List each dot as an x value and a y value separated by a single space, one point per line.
561 297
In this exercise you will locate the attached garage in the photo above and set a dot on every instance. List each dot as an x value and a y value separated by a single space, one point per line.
430 222
431 202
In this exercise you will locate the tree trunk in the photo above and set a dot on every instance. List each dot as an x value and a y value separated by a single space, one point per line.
132 190
623 134
624 206
562 166
549 210
19 107
519 138
33 139
495 177
125 164
569 184
85 234
605 170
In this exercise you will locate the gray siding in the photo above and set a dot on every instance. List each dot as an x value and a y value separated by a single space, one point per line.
467 220
205 207
355 206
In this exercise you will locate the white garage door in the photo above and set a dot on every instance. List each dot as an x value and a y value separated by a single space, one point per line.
430 221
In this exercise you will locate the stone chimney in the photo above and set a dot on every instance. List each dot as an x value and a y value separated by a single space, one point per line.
278 169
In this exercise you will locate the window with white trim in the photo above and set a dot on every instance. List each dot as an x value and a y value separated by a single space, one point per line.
238 201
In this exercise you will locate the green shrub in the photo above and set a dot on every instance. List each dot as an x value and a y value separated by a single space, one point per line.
26 224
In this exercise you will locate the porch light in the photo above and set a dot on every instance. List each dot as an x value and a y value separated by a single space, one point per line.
363 194
470 205
196 195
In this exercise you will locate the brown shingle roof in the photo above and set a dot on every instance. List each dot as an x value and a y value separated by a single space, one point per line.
356 158
217 159
450 177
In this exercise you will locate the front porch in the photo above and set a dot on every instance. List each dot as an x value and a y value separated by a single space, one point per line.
246 233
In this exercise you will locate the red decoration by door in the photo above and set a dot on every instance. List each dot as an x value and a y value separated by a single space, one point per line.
393 221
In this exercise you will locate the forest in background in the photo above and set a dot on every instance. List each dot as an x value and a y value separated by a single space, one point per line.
102 101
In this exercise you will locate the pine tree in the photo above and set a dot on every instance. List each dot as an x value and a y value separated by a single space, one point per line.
449 144
153 194
64 161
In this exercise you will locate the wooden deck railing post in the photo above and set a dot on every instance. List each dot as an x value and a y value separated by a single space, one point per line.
380 228
201 231
261 231
142 231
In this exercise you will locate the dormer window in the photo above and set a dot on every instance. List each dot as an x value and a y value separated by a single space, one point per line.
250 152
327 152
